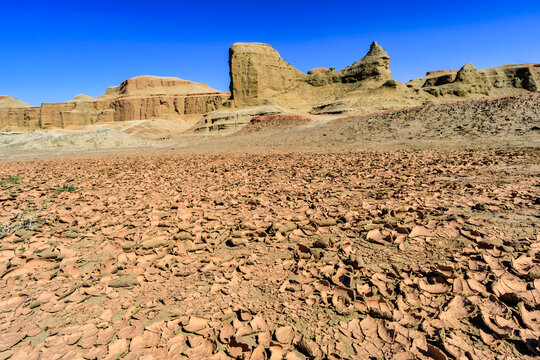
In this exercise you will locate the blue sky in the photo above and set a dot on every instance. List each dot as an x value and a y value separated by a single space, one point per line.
52 50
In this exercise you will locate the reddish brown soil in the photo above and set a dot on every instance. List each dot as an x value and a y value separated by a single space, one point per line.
273 122
405 254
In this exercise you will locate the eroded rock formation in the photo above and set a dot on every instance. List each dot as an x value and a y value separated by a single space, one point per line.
11 102
140 98
260 76
231 120
15 113
469 81
262 83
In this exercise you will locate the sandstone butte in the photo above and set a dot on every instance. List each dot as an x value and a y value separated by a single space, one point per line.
139 98
262 83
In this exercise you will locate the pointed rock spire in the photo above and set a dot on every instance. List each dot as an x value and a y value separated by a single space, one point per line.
376 50
468 67
374 66
469 74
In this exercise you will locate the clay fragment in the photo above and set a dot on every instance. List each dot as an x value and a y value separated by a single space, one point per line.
124 282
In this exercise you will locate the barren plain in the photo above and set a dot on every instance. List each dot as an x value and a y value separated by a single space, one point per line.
427 254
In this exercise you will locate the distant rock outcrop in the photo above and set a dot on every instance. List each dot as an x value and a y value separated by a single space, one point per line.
468 80
437 87
231 120
17 114
140 98
82 97
471 82
318 71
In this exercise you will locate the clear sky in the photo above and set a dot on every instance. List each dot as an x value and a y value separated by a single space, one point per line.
53 50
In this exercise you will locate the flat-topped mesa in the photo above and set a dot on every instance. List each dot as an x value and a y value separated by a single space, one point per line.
260 76
139 98
155 85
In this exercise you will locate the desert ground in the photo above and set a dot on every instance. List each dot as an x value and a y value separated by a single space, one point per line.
404 253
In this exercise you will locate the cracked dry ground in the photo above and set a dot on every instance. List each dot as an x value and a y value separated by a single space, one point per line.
429 255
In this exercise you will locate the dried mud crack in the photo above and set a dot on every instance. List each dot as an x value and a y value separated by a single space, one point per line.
407 254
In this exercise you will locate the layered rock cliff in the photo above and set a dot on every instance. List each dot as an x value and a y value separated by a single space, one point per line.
17 114
258 73
140 98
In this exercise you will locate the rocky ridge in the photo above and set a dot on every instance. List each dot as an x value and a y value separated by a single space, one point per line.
259 76
497 81
262 80
139 98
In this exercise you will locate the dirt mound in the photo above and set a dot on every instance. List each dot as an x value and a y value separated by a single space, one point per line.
11 102
512 115
273 122
232 120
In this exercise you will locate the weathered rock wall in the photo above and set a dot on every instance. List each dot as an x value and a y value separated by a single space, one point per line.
258 72
259 76
141 98
17 114
165 107
20 118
